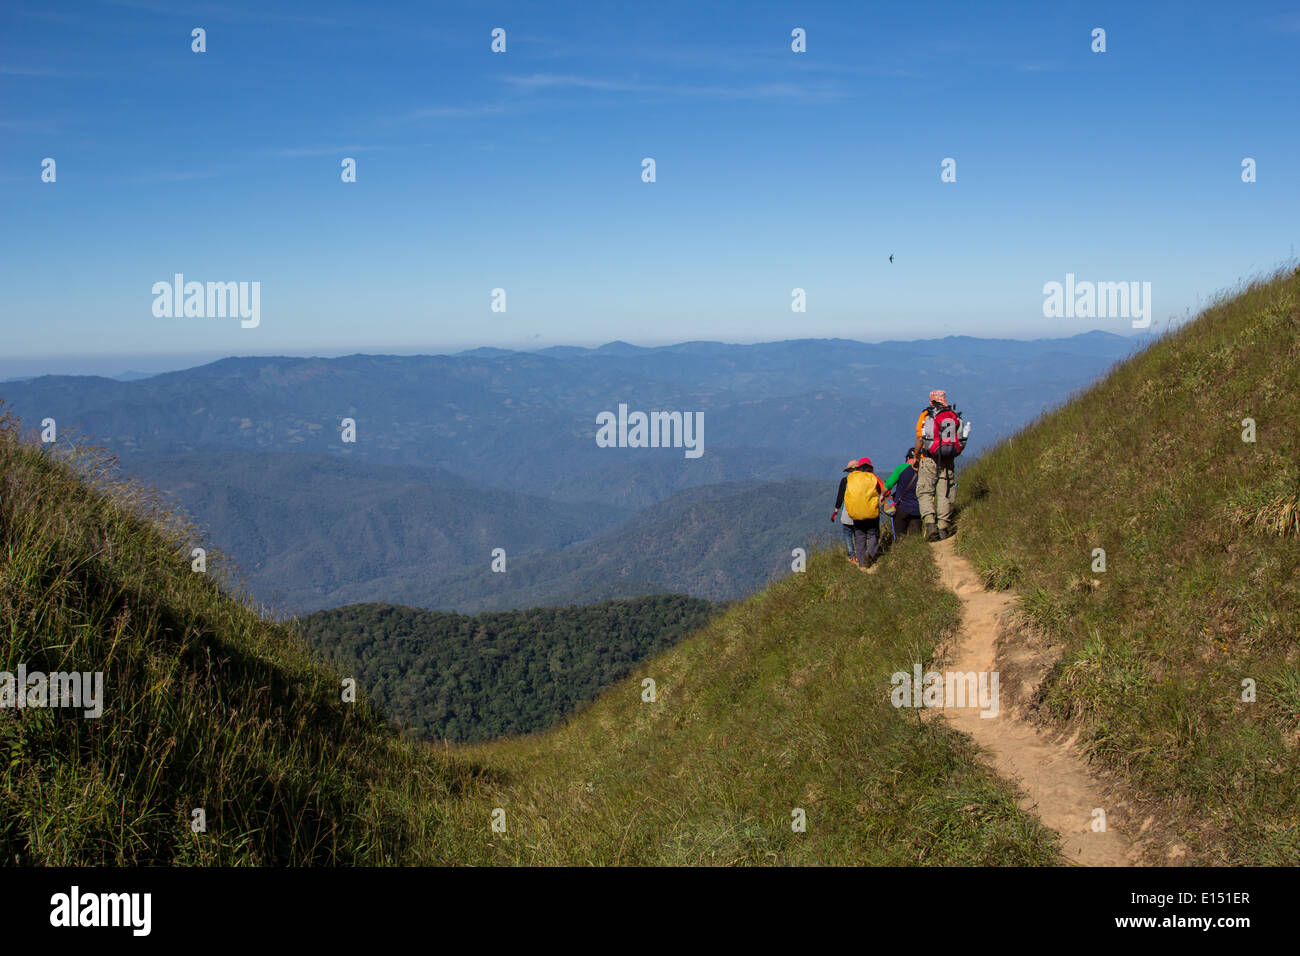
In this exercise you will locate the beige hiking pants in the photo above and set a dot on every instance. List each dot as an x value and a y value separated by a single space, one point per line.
934 491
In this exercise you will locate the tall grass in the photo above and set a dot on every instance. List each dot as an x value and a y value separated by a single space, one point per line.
207 705
1201 590
780 704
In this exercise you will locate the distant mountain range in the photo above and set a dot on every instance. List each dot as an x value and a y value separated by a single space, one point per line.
714 542
456 455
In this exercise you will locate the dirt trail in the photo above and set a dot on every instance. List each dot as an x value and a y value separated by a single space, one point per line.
1054 779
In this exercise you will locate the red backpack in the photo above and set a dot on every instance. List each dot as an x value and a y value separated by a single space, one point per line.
942 433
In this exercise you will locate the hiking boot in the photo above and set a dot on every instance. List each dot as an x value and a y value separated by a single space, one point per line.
931 531
946 533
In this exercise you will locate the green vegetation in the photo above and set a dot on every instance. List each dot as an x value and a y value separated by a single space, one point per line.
778 703
206 704
464 678
1202 583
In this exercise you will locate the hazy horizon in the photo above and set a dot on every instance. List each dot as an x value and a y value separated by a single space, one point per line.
917 171
114 365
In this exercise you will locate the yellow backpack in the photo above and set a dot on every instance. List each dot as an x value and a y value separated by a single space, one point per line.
862 496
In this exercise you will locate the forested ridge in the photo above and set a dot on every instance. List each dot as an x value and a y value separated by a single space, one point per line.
460 677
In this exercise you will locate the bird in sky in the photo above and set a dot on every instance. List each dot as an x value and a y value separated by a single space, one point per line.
891 257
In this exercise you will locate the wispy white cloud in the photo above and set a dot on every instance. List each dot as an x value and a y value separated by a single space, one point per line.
453 112
222 12
762 91
296 152
43 71
43 127
174 176
764 61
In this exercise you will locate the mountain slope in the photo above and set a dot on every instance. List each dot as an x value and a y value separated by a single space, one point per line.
457 455
204 704
719 542
1199 601
780 703
778 712
486 417
306 527
774 713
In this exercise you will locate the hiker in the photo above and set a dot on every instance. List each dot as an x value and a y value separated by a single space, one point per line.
940 438
902 483
846 522
863 491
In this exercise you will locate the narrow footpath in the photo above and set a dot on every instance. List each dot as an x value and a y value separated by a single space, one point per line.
1055 782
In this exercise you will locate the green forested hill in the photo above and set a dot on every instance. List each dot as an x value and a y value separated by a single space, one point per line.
457 677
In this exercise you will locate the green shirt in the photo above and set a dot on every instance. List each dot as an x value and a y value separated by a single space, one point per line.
893 478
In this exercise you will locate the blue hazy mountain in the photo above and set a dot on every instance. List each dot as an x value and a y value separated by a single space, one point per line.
456 455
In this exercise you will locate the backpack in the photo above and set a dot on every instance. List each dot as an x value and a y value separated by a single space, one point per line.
941 434
862 496
888 506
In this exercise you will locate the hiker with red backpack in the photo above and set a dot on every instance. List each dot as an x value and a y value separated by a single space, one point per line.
861 494
940 438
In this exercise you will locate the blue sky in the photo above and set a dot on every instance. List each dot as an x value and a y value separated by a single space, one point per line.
522 170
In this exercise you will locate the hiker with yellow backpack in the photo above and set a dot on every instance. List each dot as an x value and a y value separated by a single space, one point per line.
860 494
846 523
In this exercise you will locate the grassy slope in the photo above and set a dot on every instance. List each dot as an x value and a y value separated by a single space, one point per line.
779 703
206 705
1197 594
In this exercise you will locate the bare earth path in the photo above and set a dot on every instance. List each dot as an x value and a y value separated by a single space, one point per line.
1055 781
